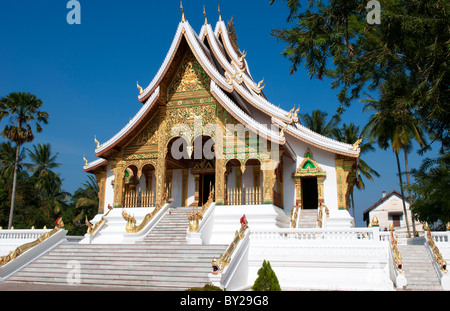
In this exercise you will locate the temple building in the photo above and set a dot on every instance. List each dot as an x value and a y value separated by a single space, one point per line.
205 124
209 180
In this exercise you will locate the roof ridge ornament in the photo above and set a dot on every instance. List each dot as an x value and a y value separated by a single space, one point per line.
139 88
220 14
357 143
244 54
183 17
97 142
204 13
260 82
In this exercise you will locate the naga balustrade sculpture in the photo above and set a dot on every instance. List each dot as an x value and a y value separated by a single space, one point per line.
23 248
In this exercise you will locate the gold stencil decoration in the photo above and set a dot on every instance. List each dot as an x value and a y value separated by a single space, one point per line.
190 76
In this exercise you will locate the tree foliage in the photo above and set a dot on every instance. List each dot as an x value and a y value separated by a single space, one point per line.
333 39
431 195
267 280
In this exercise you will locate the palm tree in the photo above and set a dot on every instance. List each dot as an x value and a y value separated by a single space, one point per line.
393 122
86 199
23 110
350 134
316 121
42 164
52 197
7 160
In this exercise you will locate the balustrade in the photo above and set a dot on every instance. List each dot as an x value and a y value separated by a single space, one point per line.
138 199
244 196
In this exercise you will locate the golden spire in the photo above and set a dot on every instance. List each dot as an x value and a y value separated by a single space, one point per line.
206 18
220 14
139 88
183 18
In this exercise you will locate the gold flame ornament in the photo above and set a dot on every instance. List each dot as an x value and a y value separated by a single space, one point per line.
260 82
96 142
86 163
139 88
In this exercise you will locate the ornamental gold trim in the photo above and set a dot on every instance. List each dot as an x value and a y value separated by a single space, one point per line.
224 259
27 246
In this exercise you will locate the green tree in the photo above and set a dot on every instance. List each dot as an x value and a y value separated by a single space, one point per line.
393 122
333 39
7 160
42 164
267 279
430 191
24 111
317 122
85 201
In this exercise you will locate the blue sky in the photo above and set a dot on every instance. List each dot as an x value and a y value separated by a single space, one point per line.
86 74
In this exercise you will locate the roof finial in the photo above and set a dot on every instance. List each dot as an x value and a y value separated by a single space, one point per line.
220 14
206 18
183 18
97 142
139 88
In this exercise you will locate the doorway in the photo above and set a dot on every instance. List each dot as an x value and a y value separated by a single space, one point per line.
310 193
207 182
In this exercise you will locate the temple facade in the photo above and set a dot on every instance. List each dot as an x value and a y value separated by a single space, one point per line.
206 127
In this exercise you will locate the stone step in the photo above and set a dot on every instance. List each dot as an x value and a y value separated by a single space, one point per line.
161 261
419 271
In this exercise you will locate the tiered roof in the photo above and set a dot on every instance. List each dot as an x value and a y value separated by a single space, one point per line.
231 85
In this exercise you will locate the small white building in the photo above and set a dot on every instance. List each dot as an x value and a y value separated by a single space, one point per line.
389 209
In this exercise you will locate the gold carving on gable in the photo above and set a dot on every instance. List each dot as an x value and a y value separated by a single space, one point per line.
190 76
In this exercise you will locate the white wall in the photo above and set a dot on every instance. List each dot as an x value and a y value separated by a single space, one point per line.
109 189
288 184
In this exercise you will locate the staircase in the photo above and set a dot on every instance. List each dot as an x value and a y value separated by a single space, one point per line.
308 218
162 261
418 268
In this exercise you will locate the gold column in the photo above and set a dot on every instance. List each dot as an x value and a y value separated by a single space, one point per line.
320 180
268 181
118 171
220 182
298 191
344 180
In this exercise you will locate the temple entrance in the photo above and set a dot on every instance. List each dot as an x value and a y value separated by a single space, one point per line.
207 183
310 193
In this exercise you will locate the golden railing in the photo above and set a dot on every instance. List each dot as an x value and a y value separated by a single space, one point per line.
138 199
91 229
131 226
244 196
436 253
196 215
224 259
23 248
395 251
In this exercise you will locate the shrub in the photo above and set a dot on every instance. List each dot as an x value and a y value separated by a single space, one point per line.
267 280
